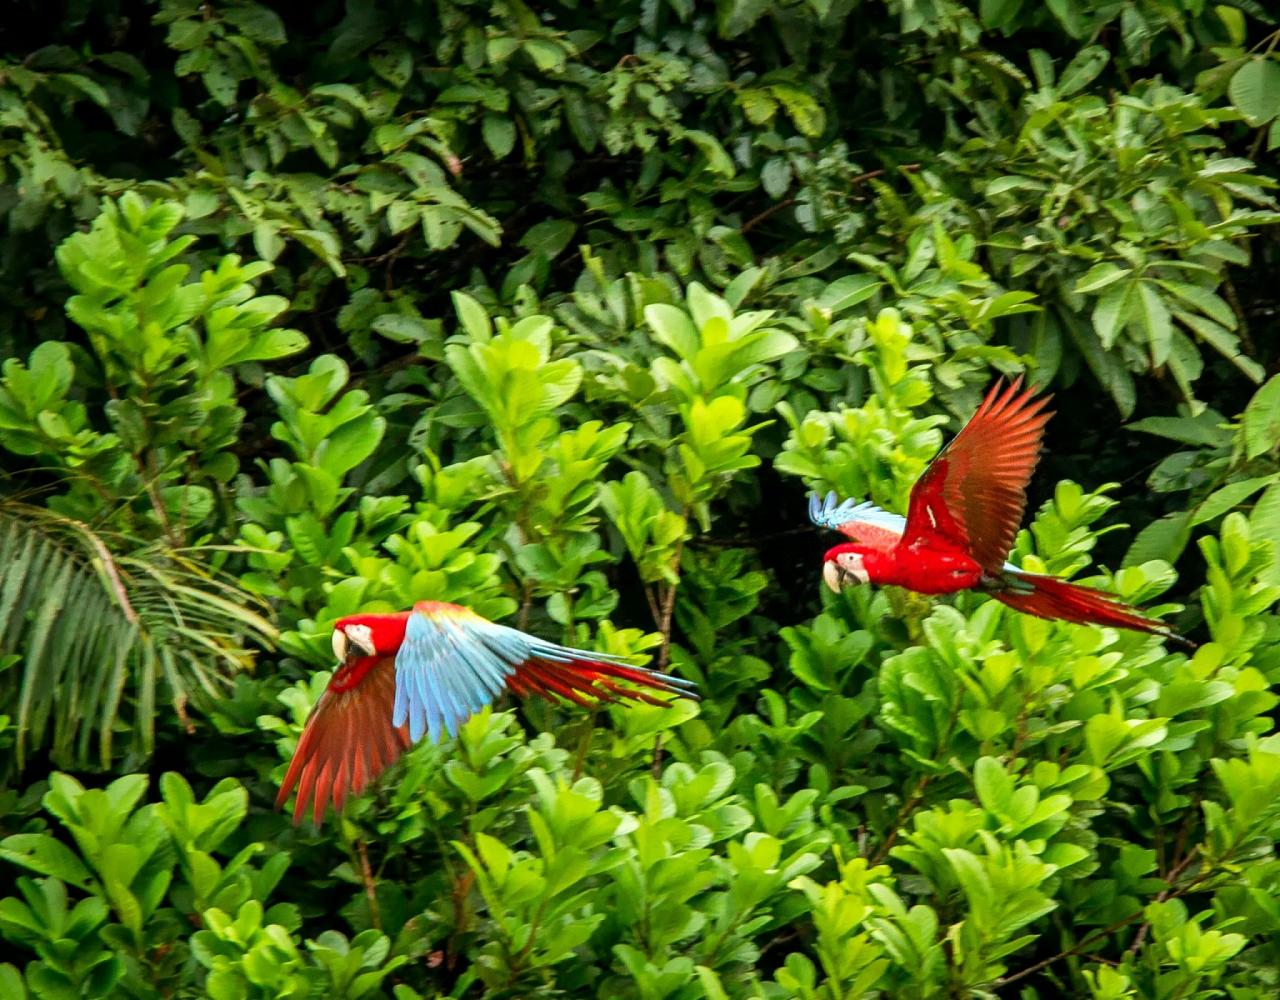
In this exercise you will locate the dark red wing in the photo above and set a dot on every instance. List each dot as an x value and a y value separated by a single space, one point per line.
974 493
348 741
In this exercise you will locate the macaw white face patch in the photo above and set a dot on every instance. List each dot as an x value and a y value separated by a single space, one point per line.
353 640
845 568
851 563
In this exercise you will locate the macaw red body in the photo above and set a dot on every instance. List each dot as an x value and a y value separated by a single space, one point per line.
424 672
961 523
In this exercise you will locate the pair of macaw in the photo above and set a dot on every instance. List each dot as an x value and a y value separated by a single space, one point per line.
424 672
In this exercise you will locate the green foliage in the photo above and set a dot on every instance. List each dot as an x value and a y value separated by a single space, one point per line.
593 294
101 635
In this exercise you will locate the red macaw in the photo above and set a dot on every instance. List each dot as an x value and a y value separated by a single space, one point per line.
425 671
961 522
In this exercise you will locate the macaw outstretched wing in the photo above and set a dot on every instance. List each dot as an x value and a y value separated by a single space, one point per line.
974 493
453 663
348 739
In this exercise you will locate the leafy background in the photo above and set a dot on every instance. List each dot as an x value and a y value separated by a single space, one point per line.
559 311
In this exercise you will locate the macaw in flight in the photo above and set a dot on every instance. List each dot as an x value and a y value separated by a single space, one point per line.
425 671
961 521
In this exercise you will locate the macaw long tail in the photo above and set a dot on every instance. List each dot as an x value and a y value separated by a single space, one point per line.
1050 597
588 682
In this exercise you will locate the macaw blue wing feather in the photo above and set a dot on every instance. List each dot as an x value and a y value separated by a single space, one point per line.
453 662
862 522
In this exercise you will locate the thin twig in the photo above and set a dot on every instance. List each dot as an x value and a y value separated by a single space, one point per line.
654 610
773 942
669 604
370 885
460 893
773 209
1178 869
583 745
1233 298
904 812
526 604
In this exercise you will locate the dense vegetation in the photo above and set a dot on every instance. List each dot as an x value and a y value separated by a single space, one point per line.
558 311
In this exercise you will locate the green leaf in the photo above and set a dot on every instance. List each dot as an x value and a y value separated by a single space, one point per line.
1234 21
549 238
807 114
258 22
41 853
998 13
673 328
1100 276
1222 340
1262 420
405 329
1082 70
1113 312
993 785
1229 496
1255 90
1152 314
718 161
324 245
1164 538
473 317
1209 303
11 984
395 66
499 134
549 56
847 292
1264 522
1204 430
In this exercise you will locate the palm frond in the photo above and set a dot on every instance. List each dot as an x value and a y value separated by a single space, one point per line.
103 626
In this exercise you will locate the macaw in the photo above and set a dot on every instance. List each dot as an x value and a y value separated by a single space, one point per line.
961 521
425 671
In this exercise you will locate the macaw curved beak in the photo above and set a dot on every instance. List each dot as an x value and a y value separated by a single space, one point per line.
833 575
353 641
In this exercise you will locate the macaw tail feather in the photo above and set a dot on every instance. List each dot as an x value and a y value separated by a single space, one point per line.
1050 597
588 682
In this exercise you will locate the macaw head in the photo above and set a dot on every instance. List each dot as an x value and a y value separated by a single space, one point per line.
845 564
358 636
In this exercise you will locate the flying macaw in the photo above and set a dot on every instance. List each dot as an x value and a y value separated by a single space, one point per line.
961 521
425 671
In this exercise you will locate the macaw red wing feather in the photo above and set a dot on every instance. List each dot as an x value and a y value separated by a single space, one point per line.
348 740
974 493
586 682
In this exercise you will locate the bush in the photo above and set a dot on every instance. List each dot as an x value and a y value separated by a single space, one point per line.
559 314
